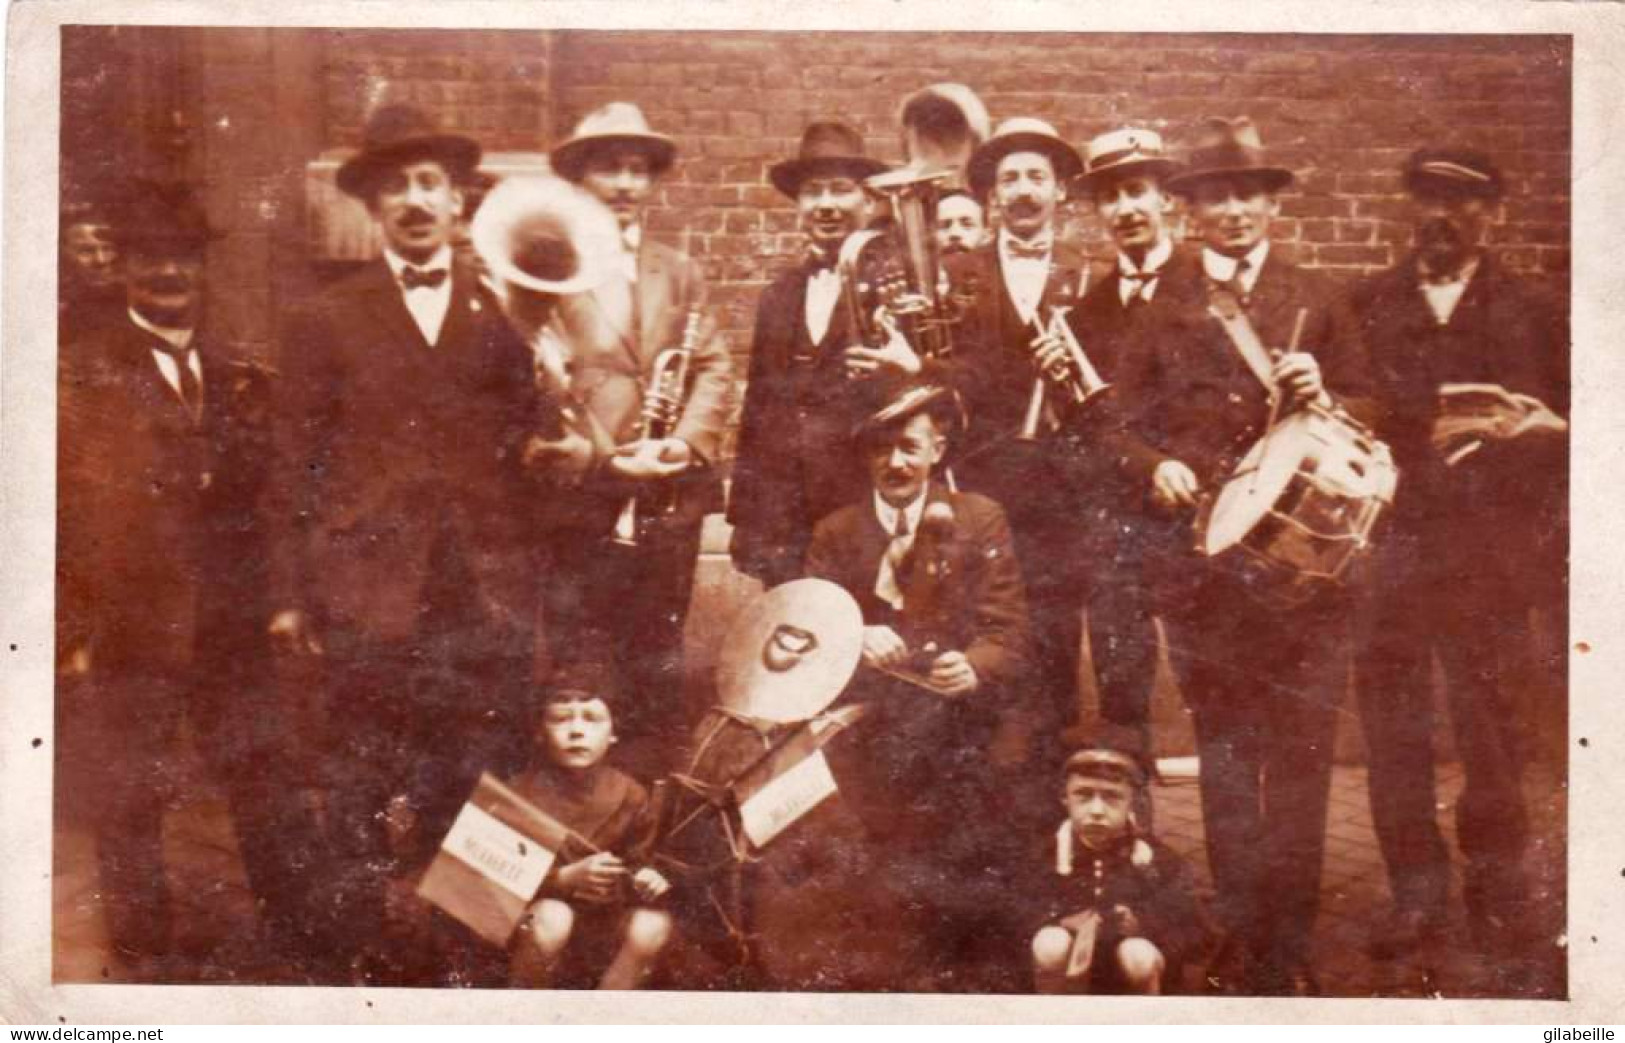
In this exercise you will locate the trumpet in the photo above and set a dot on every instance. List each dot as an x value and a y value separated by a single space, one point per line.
662 407
542 239
1075 376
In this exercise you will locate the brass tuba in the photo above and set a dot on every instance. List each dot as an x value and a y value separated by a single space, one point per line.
541 239
897 270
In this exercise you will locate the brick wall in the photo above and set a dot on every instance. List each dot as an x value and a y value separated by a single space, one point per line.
1341 110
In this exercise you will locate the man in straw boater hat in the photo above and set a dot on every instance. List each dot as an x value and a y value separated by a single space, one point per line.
410 560
945 630
1478 541
808 386
165 445
624 588
1125 177
1262 684
1014 284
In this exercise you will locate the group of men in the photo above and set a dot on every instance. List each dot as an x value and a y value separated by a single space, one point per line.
400 502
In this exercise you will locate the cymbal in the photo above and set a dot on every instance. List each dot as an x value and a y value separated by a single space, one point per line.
791 652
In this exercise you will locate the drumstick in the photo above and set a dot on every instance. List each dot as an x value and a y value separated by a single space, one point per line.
1275 396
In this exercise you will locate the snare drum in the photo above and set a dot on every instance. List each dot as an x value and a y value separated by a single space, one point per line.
1299 510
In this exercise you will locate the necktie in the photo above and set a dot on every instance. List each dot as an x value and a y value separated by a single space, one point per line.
191 389
1237 284
887 587
412 278
1139 284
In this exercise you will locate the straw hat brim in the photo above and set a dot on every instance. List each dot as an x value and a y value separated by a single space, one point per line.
1160 167
570 159
787 175
1274 178
985 160
460 155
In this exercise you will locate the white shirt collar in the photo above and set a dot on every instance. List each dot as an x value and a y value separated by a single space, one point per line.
1044 239
1220 268
179 339
441 258
632 237
887 514
1155 258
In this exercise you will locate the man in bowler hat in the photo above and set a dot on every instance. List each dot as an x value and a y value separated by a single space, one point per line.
1477 542
808 386
410 560
162 589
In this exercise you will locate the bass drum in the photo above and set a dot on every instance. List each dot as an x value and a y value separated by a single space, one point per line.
1297 514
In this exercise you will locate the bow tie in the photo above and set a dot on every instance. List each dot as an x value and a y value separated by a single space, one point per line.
412 278
1033 251
819 261
1140 278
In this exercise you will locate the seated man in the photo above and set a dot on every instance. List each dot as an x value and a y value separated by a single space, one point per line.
594 891
1117 907
945 619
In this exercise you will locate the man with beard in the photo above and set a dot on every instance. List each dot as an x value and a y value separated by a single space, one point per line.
808 385
1014 285
618 601
961 226
1262 684
1478 540
1125 176
165 439
406 428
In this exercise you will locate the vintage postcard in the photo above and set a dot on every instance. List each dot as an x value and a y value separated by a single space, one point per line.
936 512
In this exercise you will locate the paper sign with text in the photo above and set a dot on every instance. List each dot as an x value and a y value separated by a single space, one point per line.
498 852
787 798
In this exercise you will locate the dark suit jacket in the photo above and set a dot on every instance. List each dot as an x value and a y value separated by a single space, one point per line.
161 542
613 368
392 450
795 462
1507 502
988 619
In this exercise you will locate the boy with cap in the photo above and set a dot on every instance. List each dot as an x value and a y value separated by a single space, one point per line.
1118 908
592 893
1478 540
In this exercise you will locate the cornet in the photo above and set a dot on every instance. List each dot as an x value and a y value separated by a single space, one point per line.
1074 375
662 407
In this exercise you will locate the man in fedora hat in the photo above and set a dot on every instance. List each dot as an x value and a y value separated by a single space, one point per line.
936 577
1014 284
807 385
165 442
627 603
1125 177
410 559
1478 541
1262 685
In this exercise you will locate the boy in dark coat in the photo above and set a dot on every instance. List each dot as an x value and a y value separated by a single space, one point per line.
1117 908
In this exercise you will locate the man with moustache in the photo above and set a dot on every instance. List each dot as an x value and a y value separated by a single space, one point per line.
1478 540
615 602
411 557
165 442
1262 684
1014 284
1125 177
808 385
961 226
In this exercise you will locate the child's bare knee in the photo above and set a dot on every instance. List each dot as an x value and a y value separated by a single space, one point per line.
550 925
1051 946
1141 961
648 931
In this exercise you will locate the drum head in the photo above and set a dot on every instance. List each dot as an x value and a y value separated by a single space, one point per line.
1257 484
791 653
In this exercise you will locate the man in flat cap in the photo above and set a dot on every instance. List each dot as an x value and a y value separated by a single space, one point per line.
165 443
1262 685
1479 539
625 573
410 561
808 387
1015 283
945 629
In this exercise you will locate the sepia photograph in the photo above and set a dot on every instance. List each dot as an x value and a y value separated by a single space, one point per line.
930 510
